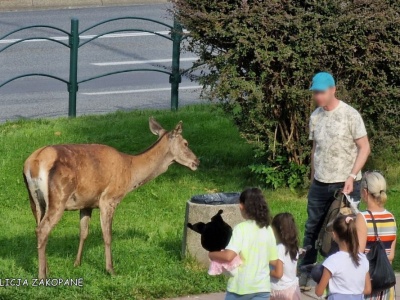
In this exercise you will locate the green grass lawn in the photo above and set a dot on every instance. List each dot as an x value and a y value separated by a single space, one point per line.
148 224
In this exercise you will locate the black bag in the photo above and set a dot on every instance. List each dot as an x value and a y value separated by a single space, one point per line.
380 268
340 206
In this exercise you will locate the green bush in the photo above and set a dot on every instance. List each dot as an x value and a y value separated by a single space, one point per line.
258 57
283 174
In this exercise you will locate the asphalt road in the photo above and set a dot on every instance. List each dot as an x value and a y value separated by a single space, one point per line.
43 97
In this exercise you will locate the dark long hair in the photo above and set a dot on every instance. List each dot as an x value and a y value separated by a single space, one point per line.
287 233
346 231
256 207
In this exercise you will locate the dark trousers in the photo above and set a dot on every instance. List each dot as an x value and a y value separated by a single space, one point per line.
320 198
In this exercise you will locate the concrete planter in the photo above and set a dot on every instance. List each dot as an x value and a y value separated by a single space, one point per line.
201 208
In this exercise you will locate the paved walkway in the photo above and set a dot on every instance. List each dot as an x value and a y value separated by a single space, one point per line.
305 296
220 296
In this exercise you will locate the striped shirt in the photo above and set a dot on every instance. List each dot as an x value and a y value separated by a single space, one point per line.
386 224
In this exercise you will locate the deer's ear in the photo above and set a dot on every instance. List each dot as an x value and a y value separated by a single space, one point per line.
178 128
155 127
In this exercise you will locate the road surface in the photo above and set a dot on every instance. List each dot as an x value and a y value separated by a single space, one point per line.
43 97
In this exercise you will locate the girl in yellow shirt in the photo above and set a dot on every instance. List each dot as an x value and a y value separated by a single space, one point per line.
255 242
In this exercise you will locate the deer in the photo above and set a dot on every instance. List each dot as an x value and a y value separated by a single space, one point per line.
87 176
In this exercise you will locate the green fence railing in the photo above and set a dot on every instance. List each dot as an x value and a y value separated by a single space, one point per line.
74 44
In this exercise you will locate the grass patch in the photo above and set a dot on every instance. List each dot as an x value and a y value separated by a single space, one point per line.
147 228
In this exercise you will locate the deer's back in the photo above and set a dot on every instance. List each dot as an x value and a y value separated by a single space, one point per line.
87 170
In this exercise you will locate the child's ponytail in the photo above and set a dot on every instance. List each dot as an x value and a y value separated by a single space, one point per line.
345 229
286 232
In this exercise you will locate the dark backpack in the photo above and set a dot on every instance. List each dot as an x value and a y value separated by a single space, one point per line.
340 206
380 268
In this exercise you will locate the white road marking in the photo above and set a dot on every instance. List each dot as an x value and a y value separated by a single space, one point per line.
138 62
194 87
86 37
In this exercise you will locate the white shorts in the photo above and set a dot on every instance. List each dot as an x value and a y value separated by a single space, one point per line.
292 293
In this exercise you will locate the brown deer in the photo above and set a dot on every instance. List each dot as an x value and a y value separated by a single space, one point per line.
87 176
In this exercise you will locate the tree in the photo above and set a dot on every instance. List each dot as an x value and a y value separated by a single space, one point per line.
260 57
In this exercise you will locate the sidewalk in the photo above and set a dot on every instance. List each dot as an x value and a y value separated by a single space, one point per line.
220 296
6 5
305 296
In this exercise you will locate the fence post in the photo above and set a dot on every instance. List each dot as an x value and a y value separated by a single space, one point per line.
175 78
73 67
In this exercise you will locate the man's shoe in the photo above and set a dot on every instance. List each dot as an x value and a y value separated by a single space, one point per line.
304 282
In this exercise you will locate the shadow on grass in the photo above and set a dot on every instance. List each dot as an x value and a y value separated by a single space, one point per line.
22 248
172 247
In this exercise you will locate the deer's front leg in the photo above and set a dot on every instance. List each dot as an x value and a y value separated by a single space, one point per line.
107 210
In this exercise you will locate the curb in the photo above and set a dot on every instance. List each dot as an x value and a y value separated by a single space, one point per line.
304 295
6 5
221 296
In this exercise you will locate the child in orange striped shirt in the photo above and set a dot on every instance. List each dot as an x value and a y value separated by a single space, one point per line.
373 193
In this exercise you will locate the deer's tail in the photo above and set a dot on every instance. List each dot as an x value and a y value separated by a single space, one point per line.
36 180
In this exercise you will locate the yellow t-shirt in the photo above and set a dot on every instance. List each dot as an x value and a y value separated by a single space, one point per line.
257 247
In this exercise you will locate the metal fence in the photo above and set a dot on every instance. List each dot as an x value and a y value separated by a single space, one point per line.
74 44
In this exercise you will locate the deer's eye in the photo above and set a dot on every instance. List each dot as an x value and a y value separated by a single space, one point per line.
186 144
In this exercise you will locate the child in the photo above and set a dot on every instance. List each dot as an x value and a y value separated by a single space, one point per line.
373 193
284 282
347 270
255 242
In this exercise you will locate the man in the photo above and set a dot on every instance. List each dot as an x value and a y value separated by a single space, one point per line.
340 150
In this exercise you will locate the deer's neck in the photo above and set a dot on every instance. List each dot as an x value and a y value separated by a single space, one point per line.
151 163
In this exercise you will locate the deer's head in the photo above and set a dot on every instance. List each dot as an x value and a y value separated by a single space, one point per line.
177 144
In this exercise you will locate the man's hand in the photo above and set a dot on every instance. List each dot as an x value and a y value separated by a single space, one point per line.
348 185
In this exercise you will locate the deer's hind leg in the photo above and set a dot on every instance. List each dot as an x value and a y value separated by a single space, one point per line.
85 215
58 196
42 233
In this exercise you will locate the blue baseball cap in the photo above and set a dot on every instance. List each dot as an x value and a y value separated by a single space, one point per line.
322 81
